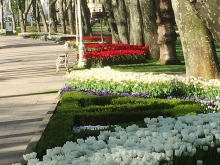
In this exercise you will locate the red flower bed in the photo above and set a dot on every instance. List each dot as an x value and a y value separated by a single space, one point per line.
100 55
112 54
104 46
87 38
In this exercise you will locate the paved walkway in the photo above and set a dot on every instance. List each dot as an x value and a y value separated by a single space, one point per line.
27 70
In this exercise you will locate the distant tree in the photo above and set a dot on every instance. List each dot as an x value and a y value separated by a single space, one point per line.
2 14
23 9
13 10
133 22
40 14
62 15
53 16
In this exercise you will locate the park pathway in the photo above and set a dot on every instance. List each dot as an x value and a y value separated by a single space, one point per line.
28 93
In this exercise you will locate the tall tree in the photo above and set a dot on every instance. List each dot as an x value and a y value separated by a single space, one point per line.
120 15
2 15
133 22
208 11
42 15
86 18
13 12
23 9
198 47
112 21
71 15
53 16
150 36
62 15
166 33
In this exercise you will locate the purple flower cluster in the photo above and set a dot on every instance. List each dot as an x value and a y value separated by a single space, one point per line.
137 95
66 89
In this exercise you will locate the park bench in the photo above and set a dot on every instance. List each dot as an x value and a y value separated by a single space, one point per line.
62 61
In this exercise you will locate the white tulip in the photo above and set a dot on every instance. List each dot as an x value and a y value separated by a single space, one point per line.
177 153
205 148
199 162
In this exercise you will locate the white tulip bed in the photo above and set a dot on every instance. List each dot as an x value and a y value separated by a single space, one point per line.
162 141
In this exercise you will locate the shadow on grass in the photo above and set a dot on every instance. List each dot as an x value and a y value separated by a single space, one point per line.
150 67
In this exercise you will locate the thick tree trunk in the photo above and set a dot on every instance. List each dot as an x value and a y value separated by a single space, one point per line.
112 22
166 33
208 11
197 43
120 15
136 33
148 11
86 18
71 16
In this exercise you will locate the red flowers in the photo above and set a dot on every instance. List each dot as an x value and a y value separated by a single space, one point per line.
111 54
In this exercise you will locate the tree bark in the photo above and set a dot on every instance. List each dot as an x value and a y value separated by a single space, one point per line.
197 43
149 26
23 10
62 16
111 20
120 15
71 16
2 15
208 11
166 33
135 17
86 18
41 11
13 15
21 18
53 17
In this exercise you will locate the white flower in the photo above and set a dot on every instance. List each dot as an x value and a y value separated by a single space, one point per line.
199 162
32 155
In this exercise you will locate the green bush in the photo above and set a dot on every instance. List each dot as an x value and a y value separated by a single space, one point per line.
77 108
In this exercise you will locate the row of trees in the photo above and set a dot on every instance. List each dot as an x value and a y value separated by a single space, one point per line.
151 22
145 22
61 12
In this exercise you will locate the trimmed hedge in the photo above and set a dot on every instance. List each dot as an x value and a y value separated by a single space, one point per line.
78 108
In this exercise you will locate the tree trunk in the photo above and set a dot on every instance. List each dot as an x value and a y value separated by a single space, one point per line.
2 15
111 20
41 11
208 11
198 48
166 33
71 16
120 15
37 18
23 11
53 16
135 22
62 16
86 18
21 19
149 26
13 15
